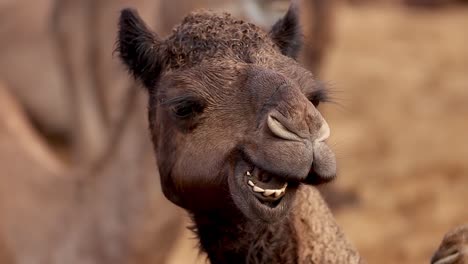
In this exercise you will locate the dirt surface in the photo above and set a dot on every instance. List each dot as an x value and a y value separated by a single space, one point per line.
399 128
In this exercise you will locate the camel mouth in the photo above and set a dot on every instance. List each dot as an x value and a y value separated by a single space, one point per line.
267 188
260 194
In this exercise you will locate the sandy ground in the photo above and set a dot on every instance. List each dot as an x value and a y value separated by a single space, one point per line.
401 133
400 129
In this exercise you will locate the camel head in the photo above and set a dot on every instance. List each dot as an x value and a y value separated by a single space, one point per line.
233 117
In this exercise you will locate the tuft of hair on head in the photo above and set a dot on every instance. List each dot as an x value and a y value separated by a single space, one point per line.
287 33
139 48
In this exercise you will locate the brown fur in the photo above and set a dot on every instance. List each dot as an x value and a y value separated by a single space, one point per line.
223 37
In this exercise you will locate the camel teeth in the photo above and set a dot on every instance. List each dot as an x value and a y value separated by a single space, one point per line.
258 189
269 192
248 173
278 193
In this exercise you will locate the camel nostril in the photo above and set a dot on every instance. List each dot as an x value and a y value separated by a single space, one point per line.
279 130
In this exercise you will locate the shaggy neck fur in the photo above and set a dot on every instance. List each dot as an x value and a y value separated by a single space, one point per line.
232 238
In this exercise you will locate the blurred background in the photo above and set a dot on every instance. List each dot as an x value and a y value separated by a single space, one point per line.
78 182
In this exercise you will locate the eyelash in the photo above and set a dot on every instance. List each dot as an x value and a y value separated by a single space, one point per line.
318 96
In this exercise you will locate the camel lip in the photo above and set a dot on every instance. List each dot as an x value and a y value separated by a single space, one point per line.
315 179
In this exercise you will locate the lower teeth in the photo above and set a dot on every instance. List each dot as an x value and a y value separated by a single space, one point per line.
266 192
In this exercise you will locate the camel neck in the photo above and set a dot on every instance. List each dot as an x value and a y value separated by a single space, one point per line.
235 239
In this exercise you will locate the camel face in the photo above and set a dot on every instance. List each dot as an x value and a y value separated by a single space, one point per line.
232 116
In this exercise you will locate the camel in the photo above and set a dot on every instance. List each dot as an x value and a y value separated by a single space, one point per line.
238 138
236 132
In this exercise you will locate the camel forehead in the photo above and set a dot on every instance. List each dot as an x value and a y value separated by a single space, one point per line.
206 35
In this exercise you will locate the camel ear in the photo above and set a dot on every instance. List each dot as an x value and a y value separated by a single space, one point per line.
286 32
139 48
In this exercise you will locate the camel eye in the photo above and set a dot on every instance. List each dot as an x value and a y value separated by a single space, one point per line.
318 96
315 102
187 109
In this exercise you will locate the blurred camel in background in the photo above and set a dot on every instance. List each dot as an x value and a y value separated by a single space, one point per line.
52 213
99 202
